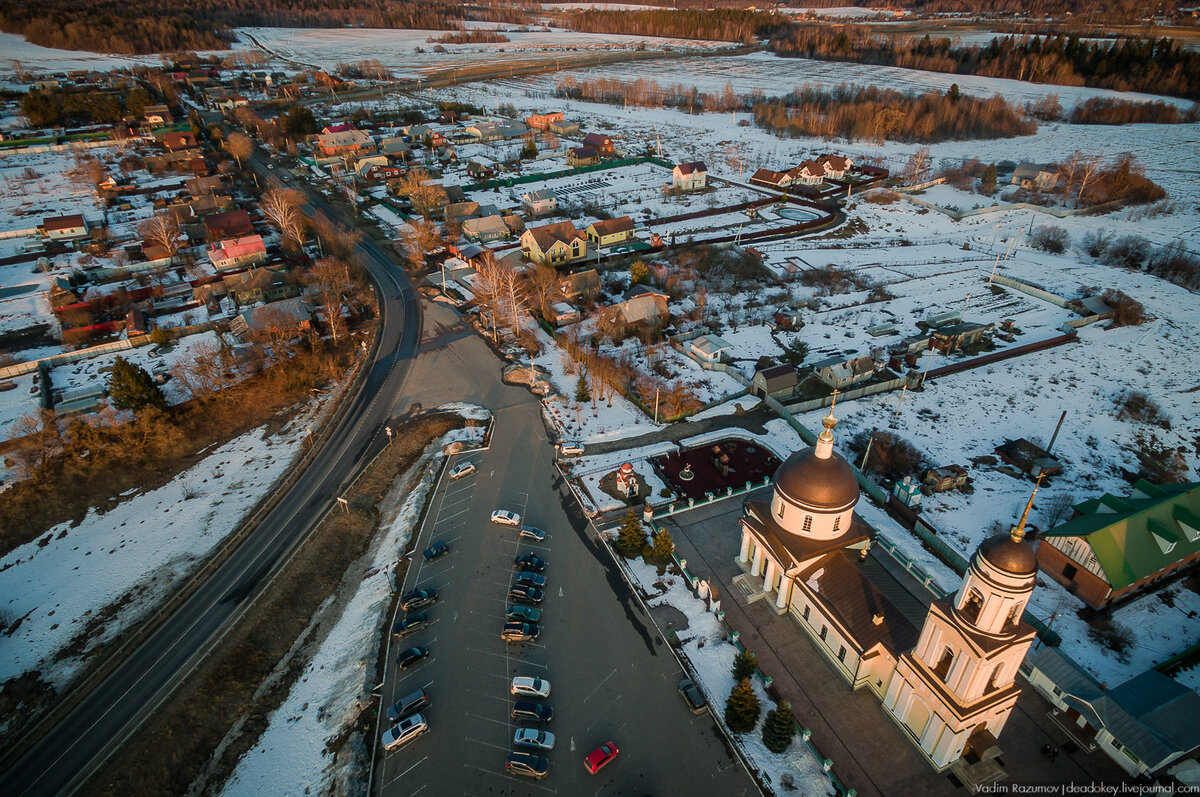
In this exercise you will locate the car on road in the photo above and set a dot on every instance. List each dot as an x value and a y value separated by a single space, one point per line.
530 562
404 732
406 705
521 592
531 579
436 551
506 518
418 598
527 764
520 632
530 685
693 696
598 758
533 533
533 739
531 712
462 469
525 613
411 657
410 625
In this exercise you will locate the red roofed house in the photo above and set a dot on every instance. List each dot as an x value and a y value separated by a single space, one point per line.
610 231
237 252
690 176
65 228
230 224
554 244
834 165
808 173
601 143
541 121
770 179
344 142
339 128
177 140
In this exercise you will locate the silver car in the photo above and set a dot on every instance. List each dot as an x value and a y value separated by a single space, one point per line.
533 739
404 732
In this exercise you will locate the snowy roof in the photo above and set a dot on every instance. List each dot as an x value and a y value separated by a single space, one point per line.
540 195
711 344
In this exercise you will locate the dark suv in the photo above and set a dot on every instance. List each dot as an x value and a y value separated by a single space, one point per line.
532 712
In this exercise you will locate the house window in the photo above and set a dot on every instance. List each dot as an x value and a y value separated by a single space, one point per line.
1069 572
806 611
824 631
837 522
942 670
808 522
842 654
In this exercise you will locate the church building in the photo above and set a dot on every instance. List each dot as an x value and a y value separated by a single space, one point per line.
950 684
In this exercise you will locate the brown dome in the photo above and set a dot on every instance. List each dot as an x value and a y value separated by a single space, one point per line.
809 480
1005 553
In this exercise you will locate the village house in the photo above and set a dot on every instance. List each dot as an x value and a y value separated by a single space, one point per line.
947 477
834 166
840 372
342 141
581 285
540 202
1032 176
1114 547
294 314
947 672
1144 724
692 176
787 318
709 348
157 115
770 179
458 212
564 128
777 381
583 156
808 173
1029 458
202 186
541 121
496 130
395 148
642 309
480 168
563 313
610 231
64 228
178 140
485 229
230 224
601 143
554 244
237 252
951 337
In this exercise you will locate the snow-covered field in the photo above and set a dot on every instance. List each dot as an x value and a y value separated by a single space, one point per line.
291 756
139 549
397 49
711 659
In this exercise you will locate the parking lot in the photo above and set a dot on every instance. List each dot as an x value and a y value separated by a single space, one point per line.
612 677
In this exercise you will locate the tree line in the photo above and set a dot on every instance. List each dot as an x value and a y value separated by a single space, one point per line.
1160 66
720 24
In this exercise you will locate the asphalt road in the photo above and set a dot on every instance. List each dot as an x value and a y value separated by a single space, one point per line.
612 676
64 757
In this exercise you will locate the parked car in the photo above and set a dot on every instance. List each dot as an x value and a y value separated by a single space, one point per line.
506 518
530 562
527 764
418 598
571 449
693 696
521 592
462 469
533 739
598 758
411 657
530 685
525 613
520 632
406 705
533 712
436 551
533 533
404 732
532 579
409 625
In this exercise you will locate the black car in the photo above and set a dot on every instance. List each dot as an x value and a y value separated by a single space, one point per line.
418 598
532 712
408 658
409 704
409 625
521 592
436 551
693 696
530 562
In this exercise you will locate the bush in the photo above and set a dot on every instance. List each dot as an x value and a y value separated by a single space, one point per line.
1127 311
663 546
891 456
1138 406
1096 243
1051 239
159 336
1128 251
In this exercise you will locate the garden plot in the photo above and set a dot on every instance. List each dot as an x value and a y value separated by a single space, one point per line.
37 185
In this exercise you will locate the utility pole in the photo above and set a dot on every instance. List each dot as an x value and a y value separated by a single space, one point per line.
656 391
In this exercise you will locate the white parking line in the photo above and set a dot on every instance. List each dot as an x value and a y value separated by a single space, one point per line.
498 656
487 719
405 772
597 688
511 779
486 744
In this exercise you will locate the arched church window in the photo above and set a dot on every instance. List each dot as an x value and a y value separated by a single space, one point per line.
942 670
973 605
808 522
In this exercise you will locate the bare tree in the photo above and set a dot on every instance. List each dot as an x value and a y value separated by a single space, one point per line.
543 286
329 280
420 238
917 166
1087 170
1057 509
421 193
239 145
36 438
162 231
282 209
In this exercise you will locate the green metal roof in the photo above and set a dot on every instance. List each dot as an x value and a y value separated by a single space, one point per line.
1139 535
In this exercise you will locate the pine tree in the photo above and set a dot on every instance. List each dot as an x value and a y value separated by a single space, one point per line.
744 665
664 546
582 394
130 387
742 708
779 728
632 537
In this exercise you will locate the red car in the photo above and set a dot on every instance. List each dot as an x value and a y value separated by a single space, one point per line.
599 757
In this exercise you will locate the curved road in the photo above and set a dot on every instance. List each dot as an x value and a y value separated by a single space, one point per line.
64 757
